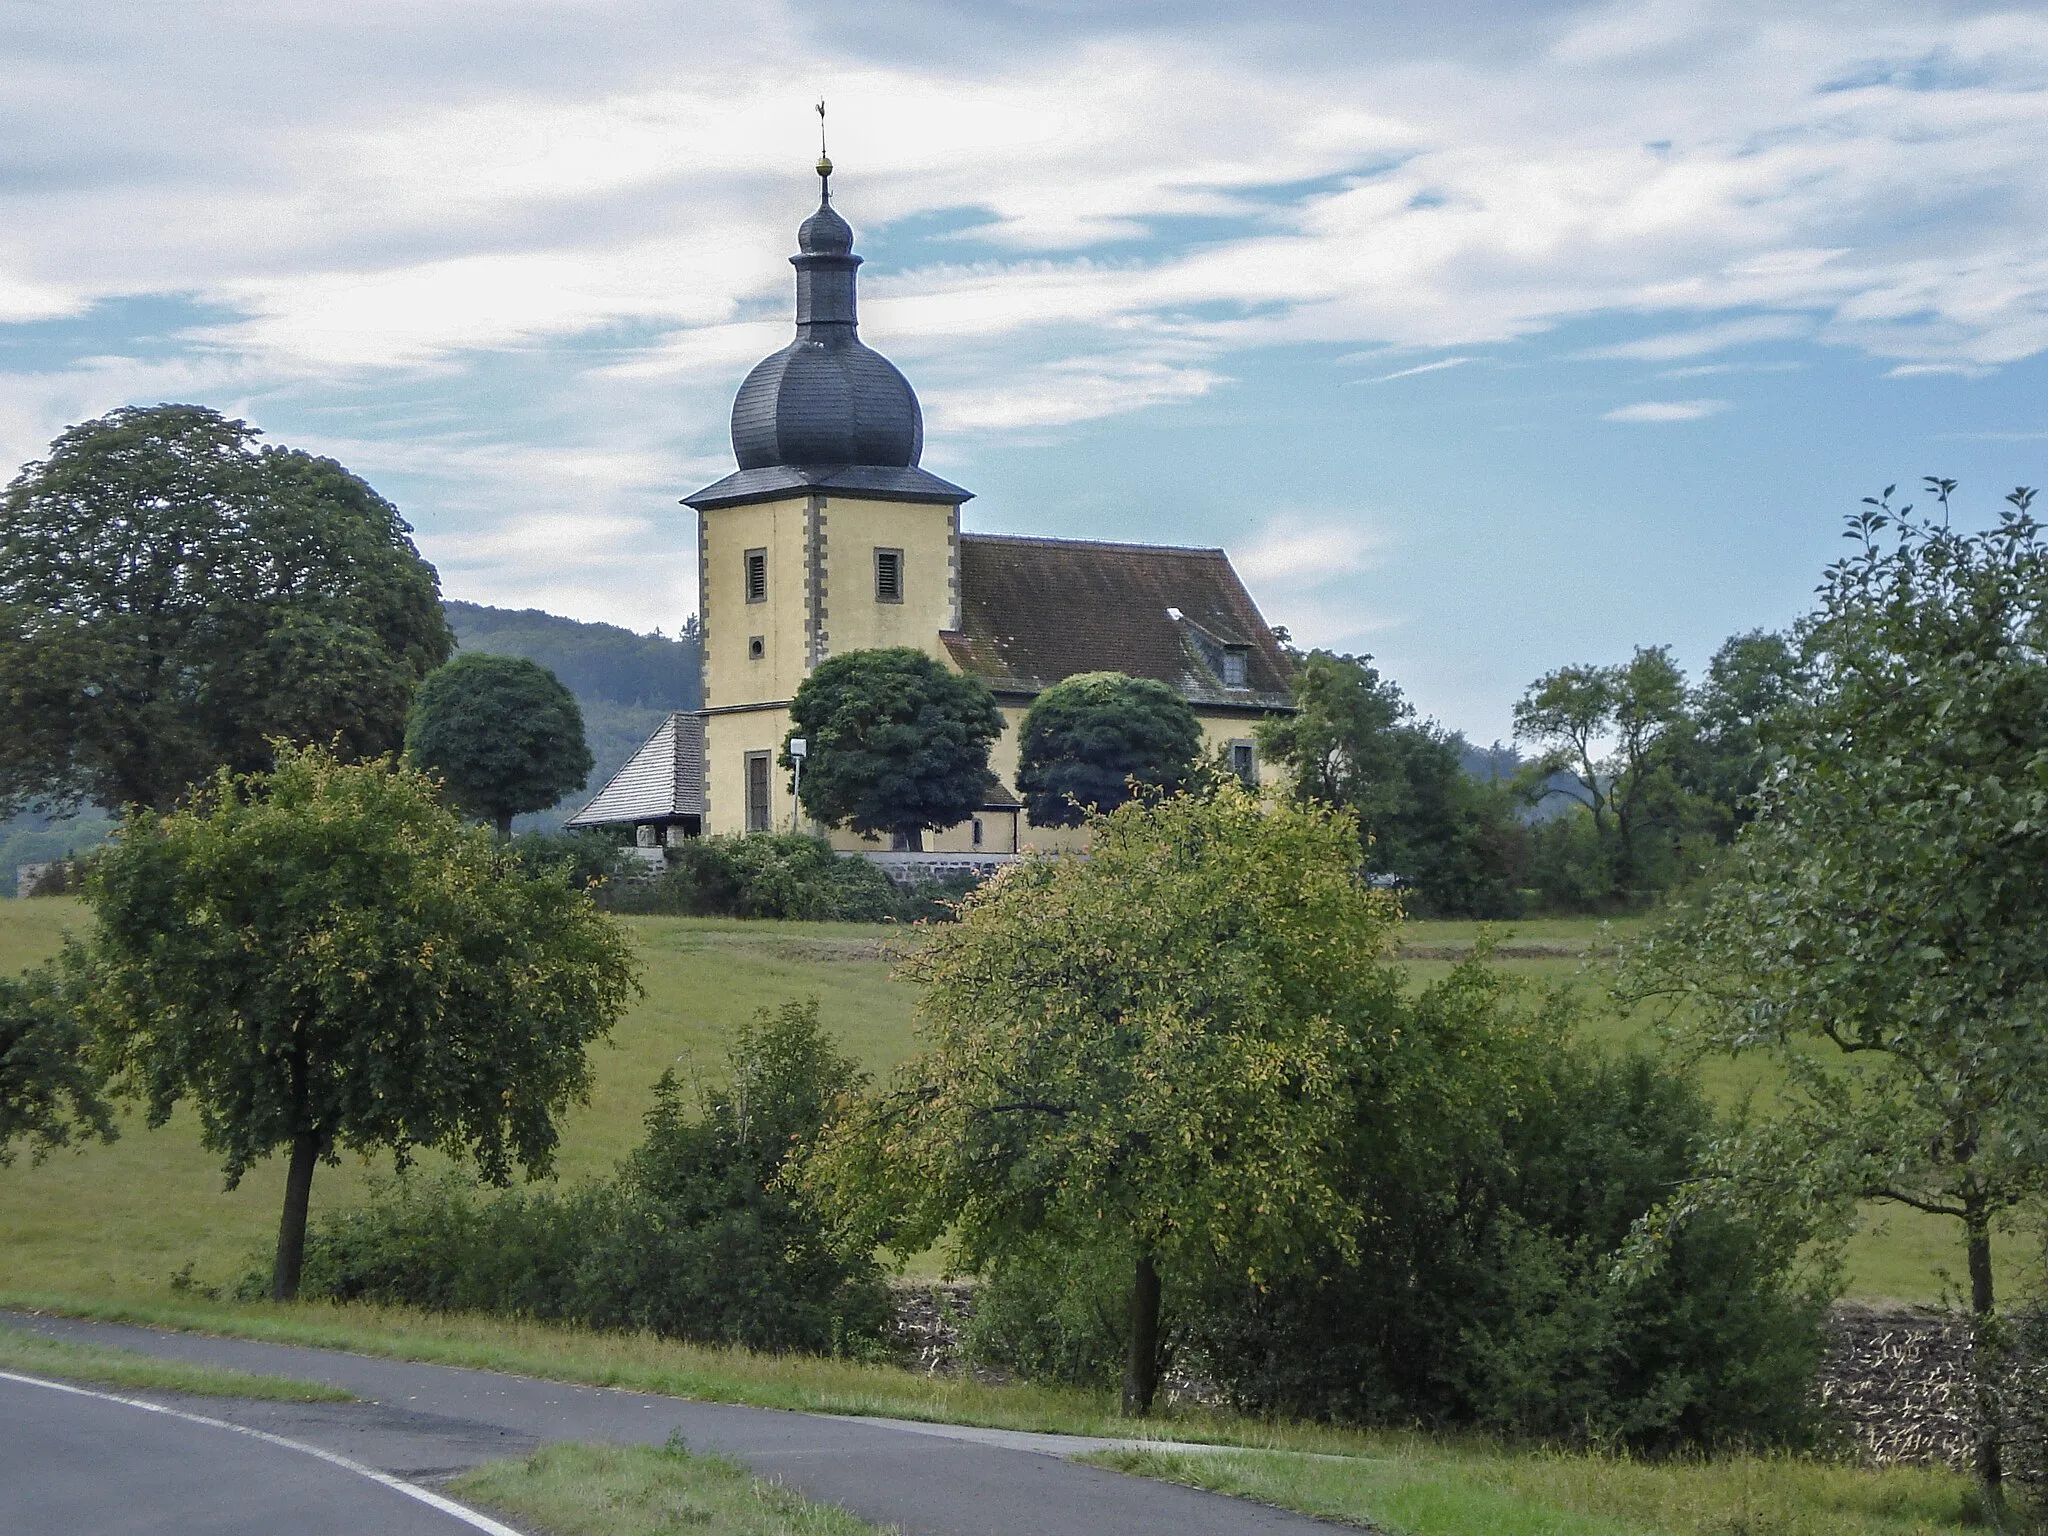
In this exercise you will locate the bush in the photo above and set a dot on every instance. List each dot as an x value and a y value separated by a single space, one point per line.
786 875
694 1237
591 857
1502 1306
1054 1314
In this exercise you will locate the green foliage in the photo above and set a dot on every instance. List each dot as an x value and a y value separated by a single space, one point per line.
49 1092
1720 756
590 857
173 598
1488 1292
502 732
787 875
1453 840
696 1236
1880 930
898 743
1635 802
324 957
1054 1313
1149 1047
1087 738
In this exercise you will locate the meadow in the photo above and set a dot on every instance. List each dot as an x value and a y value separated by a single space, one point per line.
141 1230
119 1221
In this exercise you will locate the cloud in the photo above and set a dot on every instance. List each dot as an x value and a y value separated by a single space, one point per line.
1705 370
1409 373
1666 410
1705 339
1923 370
567 232
1302 550
1302 569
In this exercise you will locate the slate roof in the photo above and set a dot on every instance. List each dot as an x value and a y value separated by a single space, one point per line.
1033 611
663 780
876 481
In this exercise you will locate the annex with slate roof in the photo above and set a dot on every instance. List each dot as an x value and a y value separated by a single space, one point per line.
829 537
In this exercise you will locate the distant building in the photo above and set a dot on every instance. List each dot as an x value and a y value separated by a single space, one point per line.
829 538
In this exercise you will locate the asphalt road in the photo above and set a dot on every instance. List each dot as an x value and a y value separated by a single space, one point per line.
85 1464
425 1422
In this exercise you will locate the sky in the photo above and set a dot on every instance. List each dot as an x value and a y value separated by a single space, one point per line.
1488 337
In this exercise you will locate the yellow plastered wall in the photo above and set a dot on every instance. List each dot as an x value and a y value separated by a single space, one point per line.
727 741
731 675
851 618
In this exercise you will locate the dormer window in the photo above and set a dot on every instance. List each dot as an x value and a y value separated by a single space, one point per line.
757 575
1236 661
888 575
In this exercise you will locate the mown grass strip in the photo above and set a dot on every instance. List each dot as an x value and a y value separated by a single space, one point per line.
101 1366
1423 1487
601 1490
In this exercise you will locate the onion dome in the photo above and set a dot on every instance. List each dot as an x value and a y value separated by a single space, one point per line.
826 413
825 398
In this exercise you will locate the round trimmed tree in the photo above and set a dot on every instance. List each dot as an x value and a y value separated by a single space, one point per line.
1088 738
898 744
502 733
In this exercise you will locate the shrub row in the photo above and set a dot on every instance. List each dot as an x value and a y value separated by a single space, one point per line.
1499 1307
693 1237
762 875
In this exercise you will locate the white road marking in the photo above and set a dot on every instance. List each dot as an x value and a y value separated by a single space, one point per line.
426 1496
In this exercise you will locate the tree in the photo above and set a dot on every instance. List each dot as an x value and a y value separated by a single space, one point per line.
1881 928
48 1090
1630 793
1719 755
1089 737
1353 741
324 957
898 744
1150 1048
502 732
172 598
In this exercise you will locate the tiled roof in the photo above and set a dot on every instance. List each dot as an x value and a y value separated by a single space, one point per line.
664 779
1033 611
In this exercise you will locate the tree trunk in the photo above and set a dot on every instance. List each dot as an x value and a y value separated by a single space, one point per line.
505 827
1141 1364
291 1230
1987 1361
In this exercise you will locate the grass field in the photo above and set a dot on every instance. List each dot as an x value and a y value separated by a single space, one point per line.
120 1220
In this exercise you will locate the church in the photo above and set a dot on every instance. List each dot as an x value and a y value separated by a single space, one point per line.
830 538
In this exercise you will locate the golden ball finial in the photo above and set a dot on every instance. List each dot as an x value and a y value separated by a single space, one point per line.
824 165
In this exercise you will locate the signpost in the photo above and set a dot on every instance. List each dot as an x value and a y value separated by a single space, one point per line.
799 748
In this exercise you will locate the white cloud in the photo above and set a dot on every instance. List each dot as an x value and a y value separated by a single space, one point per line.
1409 373
1066 221
1666 410
1302 569
1304 550
1923 370
1705 339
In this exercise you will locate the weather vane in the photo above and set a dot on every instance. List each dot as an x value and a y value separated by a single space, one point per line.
824 160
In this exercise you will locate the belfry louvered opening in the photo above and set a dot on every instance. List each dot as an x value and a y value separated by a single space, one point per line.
888 575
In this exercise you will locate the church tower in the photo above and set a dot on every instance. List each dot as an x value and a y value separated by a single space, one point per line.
828 538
